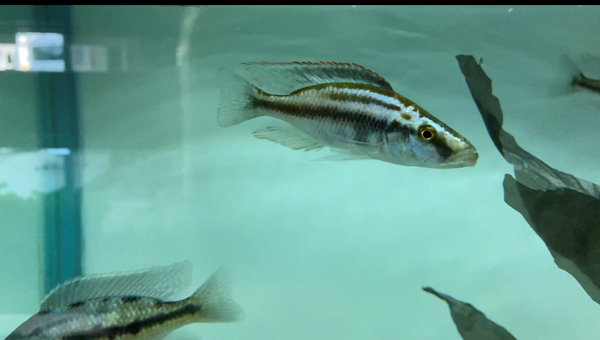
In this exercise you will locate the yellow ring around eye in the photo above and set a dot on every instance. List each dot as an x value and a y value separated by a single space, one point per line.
428 133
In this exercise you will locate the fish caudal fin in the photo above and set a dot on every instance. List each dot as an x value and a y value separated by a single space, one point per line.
237 97
215 300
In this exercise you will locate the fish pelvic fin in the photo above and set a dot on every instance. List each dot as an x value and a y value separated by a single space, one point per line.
237 99
215 300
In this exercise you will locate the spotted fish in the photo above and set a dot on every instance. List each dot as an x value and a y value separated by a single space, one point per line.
346 107
129 305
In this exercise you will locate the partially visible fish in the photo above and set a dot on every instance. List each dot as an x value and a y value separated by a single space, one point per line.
128 305
576 80
346 107
581 81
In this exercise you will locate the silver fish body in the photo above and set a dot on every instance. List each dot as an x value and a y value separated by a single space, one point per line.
129 317
110 318
356 113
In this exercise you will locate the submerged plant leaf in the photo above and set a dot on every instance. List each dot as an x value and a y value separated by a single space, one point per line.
562 209
471 323
569 223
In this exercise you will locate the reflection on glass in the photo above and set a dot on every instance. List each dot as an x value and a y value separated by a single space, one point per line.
33 172
45 52
40 52
7 56
89 58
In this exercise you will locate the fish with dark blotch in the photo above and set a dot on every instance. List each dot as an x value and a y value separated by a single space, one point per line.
346 107
129 305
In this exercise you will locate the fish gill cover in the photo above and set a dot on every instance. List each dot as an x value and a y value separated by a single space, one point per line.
562 209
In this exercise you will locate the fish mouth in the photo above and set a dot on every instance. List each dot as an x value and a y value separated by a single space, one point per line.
465 158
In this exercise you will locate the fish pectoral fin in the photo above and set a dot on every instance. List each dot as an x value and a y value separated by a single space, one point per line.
340 155
290 137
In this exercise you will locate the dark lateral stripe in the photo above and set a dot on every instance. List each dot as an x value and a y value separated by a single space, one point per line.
136 327
342 92
125 299
317 112
363 124
351 97
76 305
130 299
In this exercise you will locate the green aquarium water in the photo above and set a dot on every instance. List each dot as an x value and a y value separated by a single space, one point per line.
112 158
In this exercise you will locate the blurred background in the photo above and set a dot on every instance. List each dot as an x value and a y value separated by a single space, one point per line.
111 159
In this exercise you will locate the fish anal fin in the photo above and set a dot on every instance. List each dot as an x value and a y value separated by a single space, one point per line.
340 155
290 137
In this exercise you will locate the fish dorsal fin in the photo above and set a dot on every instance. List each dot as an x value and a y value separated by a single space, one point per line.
285 78
158 282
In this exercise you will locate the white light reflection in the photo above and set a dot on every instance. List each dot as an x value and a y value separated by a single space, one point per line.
45 52
28 173
57 151
8 54
40 52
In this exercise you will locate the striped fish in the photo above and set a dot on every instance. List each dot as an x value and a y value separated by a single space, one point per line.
346 107
129 305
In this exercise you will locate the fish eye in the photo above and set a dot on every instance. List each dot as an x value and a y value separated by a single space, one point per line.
427 132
